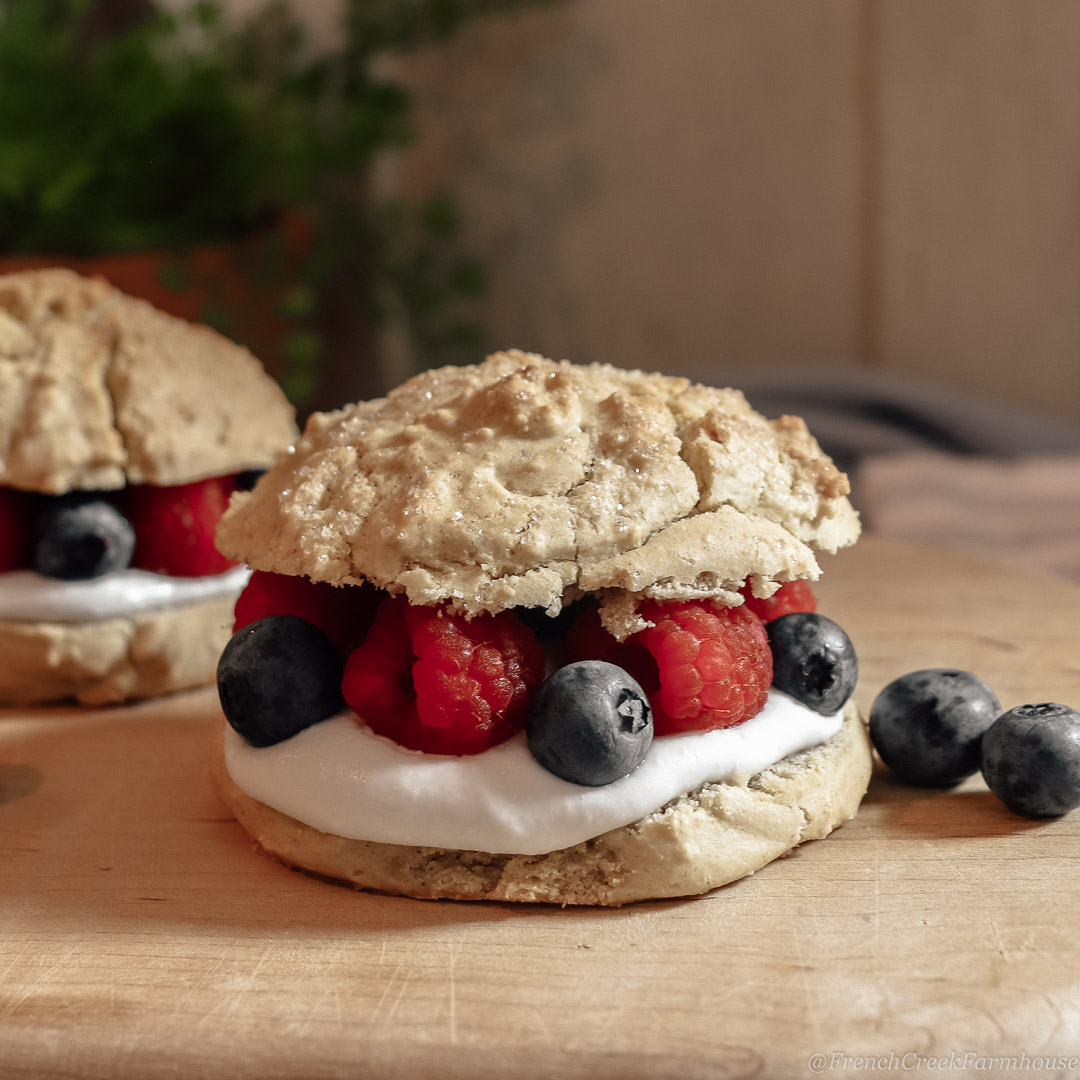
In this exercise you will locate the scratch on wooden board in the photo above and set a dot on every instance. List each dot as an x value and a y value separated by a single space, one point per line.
804 970
453 997
997 934
240 985
539 1013
1054 1034
12 1003
390 982
875 914
335 993
875 922
18 957
199 983
312 1021
934 850
224 1005
267 951
60 964
399 995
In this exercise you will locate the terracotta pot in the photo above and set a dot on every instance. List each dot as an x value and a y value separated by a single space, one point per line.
250 289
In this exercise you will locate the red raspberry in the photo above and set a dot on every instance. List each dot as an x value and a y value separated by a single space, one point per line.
440 683
702 667
343 614
788 599
17 513
175 526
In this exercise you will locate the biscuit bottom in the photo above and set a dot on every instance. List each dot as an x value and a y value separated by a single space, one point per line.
114 660
706 838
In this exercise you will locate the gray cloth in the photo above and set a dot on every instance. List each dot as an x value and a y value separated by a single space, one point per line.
937 465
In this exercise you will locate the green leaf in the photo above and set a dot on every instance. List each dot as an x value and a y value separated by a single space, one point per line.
303 349
440 216
299 302
468 277
217 317
189 128
174 275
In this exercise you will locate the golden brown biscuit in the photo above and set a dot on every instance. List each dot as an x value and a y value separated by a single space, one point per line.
113 660
98 389
701 840
524 482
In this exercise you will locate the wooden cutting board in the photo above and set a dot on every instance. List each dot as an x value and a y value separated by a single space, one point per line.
141 938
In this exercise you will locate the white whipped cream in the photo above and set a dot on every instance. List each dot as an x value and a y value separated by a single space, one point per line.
340 777
26 596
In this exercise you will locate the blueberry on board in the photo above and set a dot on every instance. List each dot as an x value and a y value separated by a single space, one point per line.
1031 759
277 676
589 723
928 725
813 661
80 537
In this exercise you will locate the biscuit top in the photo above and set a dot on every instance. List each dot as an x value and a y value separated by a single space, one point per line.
98 389
525 482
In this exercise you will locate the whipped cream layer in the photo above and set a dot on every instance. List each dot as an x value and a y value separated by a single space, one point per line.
26 596
341 778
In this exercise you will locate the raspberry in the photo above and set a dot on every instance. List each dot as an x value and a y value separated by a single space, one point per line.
702 667
17 512
343 614
175 526
439 683
795 596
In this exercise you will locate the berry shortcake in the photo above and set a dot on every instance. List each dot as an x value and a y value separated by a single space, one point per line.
123 434
536 631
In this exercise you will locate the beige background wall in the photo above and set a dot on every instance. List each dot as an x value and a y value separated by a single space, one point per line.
709 184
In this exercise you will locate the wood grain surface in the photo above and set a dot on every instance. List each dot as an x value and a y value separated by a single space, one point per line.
141 938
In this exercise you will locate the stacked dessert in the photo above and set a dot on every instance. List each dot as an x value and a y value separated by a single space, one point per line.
533 631
123 434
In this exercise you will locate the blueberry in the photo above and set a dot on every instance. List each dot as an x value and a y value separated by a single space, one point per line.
82 536
589 723
813 661
1031 759
928 725
277 676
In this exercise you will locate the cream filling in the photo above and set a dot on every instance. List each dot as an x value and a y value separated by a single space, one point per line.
26 596
341 778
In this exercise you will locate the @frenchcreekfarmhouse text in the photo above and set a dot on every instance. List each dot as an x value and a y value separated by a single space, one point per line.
967 1061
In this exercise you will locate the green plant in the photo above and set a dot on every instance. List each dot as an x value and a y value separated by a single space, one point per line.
174 130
